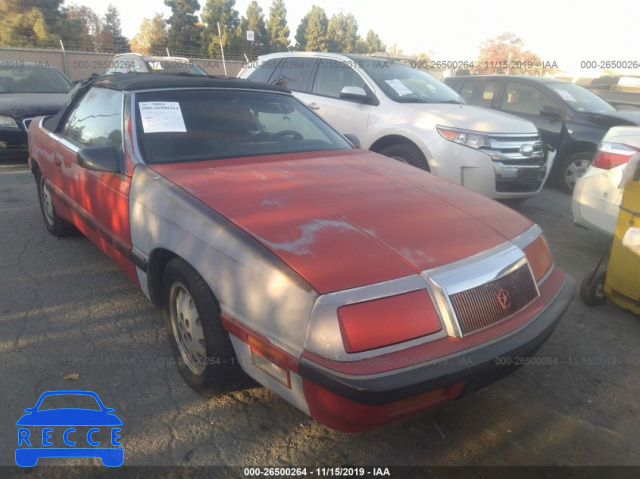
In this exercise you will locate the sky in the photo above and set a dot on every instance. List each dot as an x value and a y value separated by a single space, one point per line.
567 32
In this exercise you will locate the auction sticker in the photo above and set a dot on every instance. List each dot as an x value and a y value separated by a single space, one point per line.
161 117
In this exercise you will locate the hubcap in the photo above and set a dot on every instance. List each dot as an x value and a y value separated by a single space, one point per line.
48 205
574 171
187 328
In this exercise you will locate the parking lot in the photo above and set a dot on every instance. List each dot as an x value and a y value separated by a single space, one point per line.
69 319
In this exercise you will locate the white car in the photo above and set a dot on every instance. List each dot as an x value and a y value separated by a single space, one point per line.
404 113
597 196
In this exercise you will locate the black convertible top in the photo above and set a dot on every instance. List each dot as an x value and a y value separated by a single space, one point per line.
145 81
150 81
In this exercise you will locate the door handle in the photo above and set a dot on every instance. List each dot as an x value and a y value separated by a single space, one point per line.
313 106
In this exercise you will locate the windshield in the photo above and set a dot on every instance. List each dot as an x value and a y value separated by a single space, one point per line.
174 66
404 84
192 125
581 99
32 80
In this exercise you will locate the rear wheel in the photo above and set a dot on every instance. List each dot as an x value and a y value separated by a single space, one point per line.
53 222
592 287
200 345
572 169
406 153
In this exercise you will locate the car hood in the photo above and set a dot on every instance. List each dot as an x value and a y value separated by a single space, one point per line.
28 105
612 118
350 218
69 417
467 117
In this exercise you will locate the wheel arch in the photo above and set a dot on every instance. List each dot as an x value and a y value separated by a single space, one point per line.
156 264
390 140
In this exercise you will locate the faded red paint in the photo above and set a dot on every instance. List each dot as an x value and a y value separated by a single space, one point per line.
349 218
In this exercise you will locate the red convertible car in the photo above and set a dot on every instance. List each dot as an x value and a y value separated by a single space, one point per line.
356 287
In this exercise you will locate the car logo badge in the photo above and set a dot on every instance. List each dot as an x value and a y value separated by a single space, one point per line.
526 150
504 299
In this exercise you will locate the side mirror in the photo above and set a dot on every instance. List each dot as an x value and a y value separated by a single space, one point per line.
100 158
551 111
355 141
354 93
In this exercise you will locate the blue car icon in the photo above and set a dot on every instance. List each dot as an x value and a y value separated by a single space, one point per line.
94 423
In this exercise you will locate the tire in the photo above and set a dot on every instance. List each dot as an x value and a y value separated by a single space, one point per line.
571 169
592 287
200 345
52 221
406 153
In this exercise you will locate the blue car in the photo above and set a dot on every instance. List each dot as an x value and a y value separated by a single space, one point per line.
31 447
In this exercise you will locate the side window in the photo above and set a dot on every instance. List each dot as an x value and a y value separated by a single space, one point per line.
264 71
293 73
333 76
525 99
96 120
479 93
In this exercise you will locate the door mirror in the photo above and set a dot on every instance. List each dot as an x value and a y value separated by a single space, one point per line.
355 141
551 111
354 93
100 158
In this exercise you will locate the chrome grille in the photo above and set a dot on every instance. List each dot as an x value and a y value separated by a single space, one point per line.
492 302
507 147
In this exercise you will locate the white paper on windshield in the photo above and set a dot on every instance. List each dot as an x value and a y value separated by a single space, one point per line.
566 95
161 117
400 88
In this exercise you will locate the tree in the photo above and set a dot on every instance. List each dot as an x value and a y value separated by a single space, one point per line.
185 32
152 37
371 44
30 23
277 27
505 54
110 38
222 12
254 22
301 34
82 26
342 33
316 32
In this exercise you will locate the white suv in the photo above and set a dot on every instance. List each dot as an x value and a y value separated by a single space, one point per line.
404 113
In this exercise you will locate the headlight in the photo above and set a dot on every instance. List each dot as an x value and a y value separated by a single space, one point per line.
391 320
471 139
7 122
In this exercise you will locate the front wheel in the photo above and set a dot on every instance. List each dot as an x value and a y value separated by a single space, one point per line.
52 221
406 153
200 345
572 169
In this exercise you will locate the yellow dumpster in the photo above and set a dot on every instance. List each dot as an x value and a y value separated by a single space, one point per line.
620 281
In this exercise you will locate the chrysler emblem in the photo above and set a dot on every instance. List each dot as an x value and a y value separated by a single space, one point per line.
504 298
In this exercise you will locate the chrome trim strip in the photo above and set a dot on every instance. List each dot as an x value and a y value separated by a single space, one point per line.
528 237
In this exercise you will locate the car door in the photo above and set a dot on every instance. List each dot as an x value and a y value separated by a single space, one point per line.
525 100
346 116
98 199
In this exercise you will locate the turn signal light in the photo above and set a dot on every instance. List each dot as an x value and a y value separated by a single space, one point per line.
539 257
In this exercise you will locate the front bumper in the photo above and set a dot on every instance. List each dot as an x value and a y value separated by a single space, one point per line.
13 144
353 403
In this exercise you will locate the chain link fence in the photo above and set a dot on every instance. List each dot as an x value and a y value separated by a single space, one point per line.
79 65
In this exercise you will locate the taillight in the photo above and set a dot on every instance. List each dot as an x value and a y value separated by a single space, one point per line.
610 155
539 257
382 322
